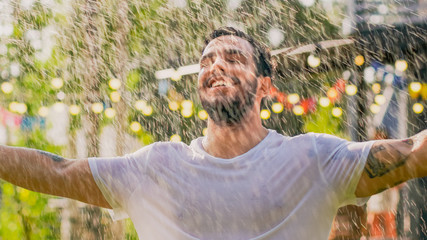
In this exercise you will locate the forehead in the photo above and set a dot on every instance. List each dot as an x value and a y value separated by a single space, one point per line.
229 42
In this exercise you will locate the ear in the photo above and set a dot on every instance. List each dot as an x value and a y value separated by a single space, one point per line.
265 86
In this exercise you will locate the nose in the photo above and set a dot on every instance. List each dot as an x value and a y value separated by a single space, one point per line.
218 65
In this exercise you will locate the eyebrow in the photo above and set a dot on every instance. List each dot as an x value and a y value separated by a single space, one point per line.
230 51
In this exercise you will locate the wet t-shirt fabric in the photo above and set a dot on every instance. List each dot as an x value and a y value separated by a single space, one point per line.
283 188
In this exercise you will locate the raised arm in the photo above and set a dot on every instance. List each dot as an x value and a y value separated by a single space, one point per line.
391 162
48 173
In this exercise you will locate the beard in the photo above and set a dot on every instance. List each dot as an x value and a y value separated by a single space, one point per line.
230 111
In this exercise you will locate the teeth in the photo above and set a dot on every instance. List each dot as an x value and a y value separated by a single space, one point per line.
221 83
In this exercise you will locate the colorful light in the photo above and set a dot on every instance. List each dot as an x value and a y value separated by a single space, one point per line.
140 105
415 87
43 111
265 114
21 108
74 110
175 138
359 60
110 113
380 99
115 96
135 126
351 89
176 76
336 112
298 110
147 110
293 98
57 83
187 104
375 108
204 131
97 107
332 94
418 108
277 107
7 87
114 83
187 112
313 61
324 102
376 88
401 65
203 115
173 105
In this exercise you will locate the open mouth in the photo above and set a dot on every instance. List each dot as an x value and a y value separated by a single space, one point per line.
219 82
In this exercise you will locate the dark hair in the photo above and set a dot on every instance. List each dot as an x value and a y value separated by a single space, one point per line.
262 56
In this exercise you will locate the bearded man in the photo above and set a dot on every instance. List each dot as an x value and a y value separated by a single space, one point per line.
241 181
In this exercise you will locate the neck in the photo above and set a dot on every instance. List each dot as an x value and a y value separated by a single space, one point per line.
231 141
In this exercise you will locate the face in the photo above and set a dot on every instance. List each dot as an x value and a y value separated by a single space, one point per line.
228 81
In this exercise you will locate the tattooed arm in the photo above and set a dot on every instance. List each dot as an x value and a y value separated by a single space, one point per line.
391 162
48 173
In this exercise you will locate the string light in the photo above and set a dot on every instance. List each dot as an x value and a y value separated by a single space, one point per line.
114 83
97 107
187 104
140 105
359 60
380 99
57 83
351 89
175 138
110 113
74 110
187 112
277 107
336 112
418 108
324 101
173 105
401 65
293 98
115 96
376 88
135 126
43 111
21 108
298 110
415 87
265 114
147 110
375 108
203 115
7 87
313 61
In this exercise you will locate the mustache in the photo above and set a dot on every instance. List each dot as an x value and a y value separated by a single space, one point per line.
234 79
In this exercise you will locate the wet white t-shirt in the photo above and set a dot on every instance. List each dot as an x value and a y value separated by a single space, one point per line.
283 188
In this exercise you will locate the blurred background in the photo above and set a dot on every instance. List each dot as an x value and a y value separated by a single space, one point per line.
91 78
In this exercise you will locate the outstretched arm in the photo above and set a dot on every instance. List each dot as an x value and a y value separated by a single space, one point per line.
391 162
48 173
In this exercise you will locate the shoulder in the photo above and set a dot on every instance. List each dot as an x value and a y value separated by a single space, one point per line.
161 148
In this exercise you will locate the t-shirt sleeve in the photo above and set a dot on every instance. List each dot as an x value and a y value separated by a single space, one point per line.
341 163
118 178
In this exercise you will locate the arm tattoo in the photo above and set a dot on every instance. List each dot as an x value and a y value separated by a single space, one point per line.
52 156
384 158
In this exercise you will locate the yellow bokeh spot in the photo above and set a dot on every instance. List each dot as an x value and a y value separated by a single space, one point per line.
313 61
114 83
135 127
298 110
324 102
175 138
375 108
376 88
204 131
110 113
140 104
418 108
57 83
115 96
187 104
293 98
74 110
43 111
332 93
203 114
380 99
97 107
7 87
359 60
176 76
351 89
147 110
277 107
265 114
401 65
336 112
173 105
415 87
187 112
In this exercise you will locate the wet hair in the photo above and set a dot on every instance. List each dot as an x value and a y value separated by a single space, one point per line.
262 56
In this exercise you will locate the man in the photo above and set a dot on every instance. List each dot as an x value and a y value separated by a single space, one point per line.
241 181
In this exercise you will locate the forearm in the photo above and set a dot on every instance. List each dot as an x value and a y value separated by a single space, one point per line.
418 157
32 169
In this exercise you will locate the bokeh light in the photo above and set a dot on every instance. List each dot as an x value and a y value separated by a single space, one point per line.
175 138
115 96
173 105
57 83
351 89
114 83
336 112
7 87
313 61
97 107
293 98
187 112
375 108
43 111
324 102
418 108
203 115
298 110
135 126
265 114
74 110
110 113
380 99
401 65
376 88
359 60
277 107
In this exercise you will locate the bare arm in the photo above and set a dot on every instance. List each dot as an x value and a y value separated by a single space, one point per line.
391 162
48 173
